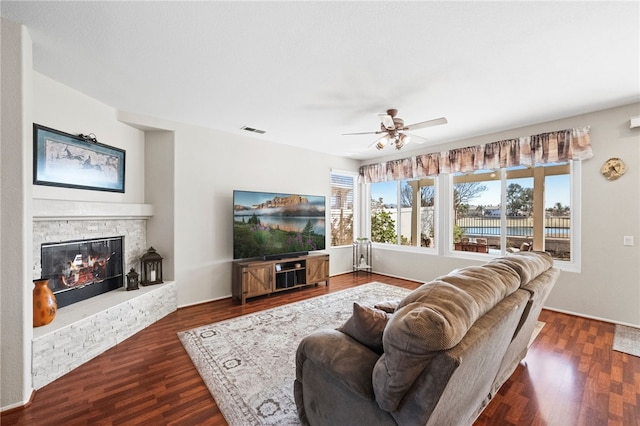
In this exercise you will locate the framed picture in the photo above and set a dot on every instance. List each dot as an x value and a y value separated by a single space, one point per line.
62 159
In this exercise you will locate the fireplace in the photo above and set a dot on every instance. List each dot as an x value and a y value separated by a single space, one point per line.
81 269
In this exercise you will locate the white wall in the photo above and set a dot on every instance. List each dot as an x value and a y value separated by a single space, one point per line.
15 213
160 192
608 286
65 109
209 165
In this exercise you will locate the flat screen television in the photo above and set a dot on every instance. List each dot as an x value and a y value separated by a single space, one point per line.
272 225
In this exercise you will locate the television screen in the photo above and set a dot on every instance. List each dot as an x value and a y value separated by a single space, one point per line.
271 224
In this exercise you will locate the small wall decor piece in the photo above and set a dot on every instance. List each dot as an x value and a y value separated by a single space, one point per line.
62 159
613 168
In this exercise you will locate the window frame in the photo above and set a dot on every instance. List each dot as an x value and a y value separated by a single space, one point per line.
355 206
444 219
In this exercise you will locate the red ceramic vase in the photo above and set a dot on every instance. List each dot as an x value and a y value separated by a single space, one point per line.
44 303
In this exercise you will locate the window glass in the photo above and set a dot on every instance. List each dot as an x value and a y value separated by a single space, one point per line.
407 190
384 212
558 213
426 213
477 211
403 212
519 209
342 212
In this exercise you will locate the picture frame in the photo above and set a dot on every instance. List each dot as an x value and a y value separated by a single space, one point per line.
65 160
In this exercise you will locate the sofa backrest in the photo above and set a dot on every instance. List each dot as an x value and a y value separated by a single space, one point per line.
437 315
527 264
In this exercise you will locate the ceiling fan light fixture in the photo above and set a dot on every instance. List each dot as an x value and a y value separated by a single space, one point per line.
401 140
381 143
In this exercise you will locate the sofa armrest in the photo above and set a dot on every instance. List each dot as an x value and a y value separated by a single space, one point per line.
342 357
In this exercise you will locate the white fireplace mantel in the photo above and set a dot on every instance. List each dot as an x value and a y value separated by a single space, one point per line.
44 209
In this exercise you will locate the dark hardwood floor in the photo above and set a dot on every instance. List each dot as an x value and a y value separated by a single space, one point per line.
571 375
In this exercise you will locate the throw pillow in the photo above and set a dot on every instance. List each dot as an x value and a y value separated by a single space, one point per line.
366 325
388 306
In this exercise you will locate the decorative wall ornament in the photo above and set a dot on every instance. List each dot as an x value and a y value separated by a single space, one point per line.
62 159
613 168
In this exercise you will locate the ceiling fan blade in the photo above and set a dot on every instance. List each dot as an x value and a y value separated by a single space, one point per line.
363 133
387 121
428 123
417 139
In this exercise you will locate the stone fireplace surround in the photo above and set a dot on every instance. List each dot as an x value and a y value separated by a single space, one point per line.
83 330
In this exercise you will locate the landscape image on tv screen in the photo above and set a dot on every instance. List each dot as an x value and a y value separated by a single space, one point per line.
269 224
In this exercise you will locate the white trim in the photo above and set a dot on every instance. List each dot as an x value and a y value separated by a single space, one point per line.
44 209
575 265
608 320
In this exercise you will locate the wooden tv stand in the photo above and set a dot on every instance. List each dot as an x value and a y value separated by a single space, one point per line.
251 278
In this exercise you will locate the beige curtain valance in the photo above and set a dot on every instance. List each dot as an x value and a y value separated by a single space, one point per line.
552 147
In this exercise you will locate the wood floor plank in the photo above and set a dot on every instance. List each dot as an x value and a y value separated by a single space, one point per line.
571 375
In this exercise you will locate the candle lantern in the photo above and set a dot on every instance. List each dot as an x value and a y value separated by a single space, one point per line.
132 280
151 267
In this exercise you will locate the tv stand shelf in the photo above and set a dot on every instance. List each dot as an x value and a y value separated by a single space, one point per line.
251 278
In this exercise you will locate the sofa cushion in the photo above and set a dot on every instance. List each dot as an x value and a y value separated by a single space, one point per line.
366 325
487 284
527 264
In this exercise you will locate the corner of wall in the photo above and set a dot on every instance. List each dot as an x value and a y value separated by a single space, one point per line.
15 208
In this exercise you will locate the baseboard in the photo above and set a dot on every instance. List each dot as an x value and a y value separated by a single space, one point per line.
18 405
575 314
215 299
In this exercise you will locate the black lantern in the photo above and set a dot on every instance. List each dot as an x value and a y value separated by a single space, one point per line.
132 280
151 267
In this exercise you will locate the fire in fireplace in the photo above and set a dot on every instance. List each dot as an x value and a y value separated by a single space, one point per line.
79 270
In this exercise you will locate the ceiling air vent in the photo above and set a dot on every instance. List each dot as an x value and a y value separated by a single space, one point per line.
251 129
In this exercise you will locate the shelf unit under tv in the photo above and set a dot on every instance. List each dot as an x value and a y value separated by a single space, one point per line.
252 278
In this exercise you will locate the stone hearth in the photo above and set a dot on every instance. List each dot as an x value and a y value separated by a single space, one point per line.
92 326
84 330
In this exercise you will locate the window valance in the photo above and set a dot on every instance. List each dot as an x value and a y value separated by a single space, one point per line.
551 147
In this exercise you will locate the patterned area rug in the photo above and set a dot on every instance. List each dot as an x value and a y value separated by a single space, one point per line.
627 340
248 363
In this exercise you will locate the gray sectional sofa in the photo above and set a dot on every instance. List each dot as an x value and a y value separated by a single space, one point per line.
436 357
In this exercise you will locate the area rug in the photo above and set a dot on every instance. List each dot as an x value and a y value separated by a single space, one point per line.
627 340
248 362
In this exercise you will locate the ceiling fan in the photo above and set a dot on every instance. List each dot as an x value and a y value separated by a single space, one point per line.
394 129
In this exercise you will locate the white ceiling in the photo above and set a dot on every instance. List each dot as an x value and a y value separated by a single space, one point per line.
306 72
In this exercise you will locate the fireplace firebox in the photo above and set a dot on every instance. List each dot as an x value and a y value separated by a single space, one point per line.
81 269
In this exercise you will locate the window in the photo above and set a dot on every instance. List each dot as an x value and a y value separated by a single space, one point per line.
513 209
342 211
384 212
403 212
486 204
